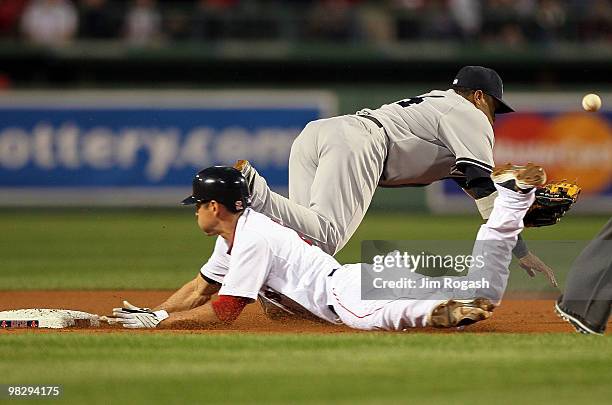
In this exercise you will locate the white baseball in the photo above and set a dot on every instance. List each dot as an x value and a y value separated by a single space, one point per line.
591 102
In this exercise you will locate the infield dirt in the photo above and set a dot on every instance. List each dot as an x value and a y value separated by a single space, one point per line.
513 316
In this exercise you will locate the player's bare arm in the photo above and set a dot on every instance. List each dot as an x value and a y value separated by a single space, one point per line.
202 316
224 310
193 294
189 306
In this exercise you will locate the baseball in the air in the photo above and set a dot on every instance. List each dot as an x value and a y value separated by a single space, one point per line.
591 102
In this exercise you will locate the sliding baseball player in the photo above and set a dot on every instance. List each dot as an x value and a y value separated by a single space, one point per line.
255 257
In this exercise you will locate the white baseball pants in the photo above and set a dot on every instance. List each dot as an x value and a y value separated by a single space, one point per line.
503 226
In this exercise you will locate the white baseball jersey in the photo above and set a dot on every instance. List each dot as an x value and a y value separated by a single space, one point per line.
267 254
429 135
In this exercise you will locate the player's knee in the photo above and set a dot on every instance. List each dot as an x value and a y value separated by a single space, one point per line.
303 147
333 238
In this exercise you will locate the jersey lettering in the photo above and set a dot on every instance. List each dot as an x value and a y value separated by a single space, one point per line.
414 101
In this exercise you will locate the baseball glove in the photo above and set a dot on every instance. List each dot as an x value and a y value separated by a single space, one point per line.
552 201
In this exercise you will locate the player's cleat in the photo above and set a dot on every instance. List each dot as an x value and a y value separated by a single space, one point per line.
241 164
247 171
519 178
579 324
460 312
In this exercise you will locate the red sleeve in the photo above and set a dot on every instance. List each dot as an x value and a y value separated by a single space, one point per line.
227 307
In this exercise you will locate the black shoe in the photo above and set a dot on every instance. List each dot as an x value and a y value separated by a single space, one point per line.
576 321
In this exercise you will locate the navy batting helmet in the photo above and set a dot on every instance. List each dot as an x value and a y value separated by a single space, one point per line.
223 184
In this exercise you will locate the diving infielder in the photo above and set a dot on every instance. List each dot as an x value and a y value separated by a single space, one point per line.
257 257
336 164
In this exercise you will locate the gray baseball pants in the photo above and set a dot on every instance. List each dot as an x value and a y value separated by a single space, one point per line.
334 168
588 291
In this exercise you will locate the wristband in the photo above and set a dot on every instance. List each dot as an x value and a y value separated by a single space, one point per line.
161 314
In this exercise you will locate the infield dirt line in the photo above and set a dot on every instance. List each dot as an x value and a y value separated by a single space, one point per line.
513 316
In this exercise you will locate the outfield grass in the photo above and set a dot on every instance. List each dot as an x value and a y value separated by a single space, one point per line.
152 249
347 368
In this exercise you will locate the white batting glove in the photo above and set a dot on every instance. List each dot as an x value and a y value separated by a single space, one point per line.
133 317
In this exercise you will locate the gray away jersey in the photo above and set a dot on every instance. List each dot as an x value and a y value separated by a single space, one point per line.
429 135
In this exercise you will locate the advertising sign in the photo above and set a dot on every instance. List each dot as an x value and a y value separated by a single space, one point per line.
142 148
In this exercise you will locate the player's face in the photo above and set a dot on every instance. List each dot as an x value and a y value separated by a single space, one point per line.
492 105
486 104
206 217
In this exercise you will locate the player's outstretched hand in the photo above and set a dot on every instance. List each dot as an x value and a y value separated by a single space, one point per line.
133 317
532 264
